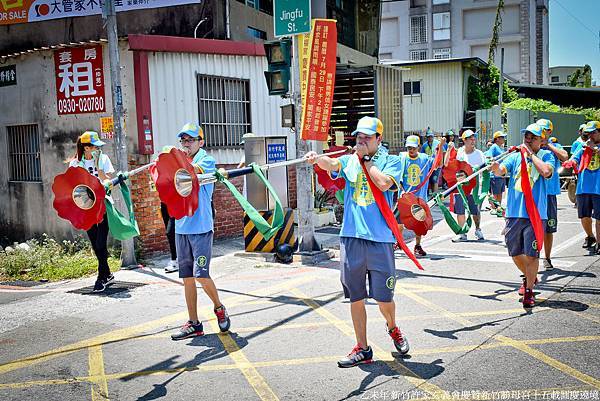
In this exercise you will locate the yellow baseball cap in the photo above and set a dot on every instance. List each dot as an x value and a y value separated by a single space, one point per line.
499 134
545 124
191 129
369 126
91 138
467 134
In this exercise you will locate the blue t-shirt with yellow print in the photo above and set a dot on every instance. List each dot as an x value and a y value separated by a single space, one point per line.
588 181
362 218
515 204
553 183
414 171
202 220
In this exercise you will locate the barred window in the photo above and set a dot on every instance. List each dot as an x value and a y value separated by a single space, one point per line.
224 110
417 55
24 153
418 29
443 53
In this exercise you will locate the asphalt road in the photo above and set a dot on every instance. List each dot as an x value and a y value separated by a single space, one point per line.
470 337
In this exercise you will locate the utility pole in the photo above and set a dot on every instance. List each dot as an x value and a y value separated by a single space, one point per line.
304 171
501 80
109 15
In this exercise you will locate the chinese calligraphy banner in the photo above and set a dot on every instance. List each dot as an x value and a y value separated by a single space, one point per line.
320 81
79 80
20 11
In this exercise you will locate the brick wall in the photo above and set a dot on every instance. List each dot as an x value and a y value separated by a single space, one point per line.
229 214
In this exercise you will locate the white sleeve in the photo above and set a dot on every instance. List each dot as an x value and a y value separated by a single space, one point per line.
106 165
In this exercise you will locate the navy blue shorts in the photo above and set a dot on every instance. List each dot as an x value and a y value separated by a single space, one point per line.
194 252
361 260
459 207
552 222
588 205
520 238
435 176
497 185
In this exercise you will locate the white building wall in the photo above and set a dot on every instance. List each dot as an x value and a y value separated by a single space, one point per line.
471 23
441 103
174 97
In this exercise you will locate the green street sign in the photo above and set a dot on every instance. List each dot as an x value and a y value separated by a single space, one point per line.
291 17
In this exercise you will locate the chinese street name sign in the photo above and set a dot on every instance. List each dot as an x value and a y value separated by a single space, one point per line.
8 75
291 17
21 11
79 80
320 81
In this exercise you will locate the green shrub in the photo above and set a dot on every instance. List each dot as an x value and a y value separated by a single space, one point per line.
48 259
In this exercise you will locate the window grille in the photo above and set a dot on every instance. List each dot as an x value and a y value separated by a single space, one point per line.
418 29
417 55
439 54
24 153
223 110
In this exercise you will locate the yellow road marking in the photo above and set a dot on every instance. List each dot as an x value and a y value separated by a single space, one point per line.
258 383
550 361
96 363
135 331
405 372
588 317
281 362
520 345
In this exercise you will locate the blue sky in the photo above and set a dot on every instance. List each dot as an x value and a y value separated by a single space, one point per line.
574 40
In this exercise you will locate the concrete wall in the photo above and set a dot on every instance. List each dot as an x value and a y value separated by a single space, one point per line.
171 21
27 207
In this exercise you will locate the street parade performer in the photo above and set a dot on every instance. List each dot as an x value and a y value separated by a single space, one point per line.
553 188
475 157
586 163
526 208
89 156
366 240
416 173
194 240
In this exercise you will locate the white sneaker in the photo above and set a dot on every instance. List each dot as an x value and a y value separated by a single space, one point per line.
173 266
460 238
479 235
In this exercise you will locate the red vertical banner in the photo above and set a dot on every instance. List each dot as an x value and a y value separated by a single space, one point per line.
79 80
320 81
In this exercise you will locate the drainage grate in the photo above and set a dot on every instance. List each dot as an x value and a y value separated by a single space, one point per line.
115 288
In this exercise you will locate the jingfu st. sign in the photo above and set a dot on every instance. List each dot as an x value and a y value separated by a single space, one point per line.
291 17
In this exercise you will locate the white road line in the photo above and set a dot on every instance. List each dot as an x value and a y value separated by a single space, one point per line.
568 243
495 259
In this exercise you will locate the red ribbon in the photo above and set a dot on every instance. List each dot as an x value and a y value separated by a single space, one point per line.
532 210
388 215
436 163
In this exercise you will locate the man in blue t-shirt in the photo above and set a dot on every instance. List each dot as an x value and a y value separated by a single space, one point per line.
366 241
415 167
194 238
430 148
581 139
497 184
520 237
588 186
559 155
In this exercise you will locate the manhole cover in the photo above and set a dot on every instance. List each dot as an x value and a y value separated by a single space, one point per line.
115 288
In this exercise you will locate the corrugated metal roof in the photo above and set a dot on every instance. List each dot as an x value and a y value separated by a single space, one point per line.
5 57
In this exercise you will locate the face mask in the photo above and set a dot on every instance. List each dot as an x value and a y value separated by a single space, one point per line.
96 153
